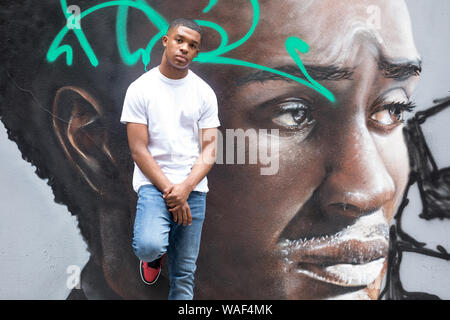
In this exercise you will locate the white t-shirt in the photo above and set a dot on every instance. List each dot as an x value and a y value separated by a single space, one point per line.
174 110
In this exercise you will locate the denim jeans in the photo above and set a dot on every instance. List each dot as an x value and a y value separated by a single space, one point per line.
155 233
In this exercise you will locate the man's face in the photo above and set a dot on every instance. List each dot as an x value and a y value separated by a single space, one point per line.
181 46
318 228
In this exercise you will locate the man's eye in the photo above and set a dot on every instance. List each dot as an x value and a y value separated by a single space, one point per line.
391 115
293 115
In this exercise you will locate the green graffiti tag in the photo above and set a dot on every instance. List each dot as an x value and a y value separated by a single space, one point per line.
294 45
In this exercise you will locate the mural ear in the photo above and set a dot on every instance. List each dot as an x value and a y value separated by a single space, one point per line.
77 123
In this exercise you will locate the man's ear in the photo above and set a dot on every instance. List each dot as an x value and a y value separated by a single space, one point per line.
77 124
164 40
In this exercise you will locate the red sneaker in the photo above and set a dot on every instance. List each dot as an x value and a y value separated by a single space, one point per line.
150 271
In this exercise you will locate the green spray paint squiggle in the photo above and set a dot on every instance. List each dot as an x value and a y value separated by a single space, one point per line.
293 45
56 49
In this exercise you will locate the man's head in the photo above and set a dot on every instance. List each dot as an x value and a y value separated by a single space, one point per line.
188 23
181 43
343 166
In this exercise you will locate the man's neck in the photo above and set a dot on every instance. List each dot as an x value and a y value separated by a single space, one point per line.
170 72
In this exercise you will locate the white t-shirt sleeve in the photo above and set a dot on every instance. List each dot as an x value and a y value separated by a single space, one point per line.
133 109
209 117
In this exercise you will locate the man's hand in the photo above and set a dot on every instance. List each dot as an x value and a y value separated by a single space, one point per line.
182 214
176 195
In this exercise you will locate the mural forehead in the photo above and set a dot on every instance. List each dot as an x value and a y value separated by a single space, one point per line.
339 29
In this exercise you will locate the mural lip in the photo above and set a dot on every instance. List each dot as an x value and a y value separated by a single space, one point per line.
345 275
336 251
353 256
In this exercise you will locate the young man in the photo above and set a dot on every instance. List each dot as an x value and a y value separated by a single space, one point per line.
172 121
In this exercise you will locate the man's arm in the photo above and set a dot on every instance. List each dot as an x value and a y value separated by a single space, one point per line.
138 141
177 194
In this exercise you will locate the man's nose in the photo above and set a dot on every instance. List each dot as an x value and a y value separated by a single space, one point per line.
184 48
358 181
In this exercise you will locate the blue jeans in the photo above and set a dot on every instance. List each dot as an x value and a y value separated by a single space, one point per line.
155 233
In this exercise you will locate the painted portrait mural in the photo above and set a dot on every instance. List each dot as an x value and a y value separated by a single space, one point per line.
315 156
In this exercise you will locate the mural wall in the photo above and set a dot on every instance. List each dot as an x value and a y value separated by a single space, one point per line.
332 176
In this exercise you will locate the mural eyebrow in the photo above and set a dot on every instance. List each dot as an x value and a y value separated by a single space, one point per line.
318 73
399 71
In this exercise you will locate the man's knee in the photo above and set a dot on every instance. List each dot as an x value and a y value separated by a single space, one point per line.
149 248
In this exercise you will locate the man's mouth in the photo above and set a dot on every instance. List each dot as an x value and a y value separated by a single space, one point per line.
352 257
181 58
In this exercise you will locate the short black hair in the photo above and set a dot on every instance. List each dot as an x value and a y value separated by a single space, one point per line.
188 23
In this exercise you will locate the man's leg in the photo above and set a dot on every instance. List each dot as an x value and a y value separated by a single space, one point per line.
184 244
151 225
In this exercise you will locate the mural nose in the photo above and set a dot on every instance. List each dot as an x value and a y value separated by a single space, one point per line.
358 182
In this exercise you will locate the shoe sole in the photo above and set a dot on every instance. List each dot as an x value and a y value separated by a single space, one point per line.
142 276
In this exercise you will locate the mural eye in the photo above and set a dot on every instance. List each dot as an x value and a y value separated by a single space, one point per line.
387 117
391 114
293 115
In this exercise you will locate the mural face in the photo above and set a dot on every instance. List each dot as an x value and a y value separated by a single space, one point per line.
319 227
315 228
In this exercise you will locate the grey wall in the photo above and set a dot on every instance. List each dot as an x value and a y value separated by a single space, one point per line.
431 27
39 239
